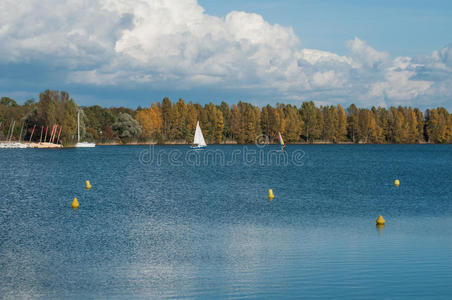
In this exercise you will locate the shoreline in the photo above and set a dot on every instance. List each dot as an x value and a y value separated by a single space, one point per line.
236 144
176 143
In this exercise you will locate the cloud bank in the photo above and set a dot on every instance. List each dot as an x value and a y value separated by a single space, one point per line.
174 44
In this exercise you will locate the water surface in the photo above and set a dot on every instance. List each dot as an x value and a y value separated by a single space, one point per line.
169 222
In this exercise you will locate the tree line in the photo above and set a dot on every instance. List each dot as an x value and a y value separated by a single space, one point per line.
168 122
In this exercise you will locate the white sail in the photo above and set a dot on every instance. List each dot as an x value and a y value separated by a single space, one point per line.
199 138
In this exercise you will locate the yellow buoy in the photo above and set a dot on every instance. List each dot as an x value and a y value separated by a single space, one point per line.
396 182
270 194
75 203
88 185
380 220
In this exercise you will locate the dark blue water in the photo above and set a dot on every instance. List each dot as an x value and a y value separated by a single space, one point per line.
170 222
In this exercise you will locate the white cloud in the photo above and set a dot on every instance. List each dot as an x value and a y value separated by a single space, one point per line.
327 79
361 52
399 85
175 44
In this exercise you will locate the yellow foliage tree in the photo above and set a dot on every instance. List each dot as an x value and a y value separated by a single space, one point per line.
150 120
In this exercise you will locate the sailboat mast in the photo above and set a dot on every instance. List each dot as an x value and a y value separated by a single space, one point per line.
12 131
21 129
78 126
33 131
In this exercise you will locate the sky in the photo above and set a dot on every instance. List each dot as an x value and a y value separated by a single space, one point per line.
135 52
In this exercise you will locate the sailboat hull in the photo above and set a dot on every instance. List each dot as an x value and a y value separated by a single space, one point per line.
85 145
198 147
82 144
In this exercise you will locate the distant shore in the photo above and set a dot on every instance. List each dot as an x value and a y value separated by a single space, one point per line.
46 145
179 143
175 143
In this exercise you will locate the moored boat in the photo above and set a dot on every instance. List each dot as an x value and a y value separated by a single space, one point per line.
82 144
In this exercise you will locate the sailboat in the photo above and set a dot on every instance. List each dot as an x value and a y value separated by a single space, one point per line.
82 144
9 143
283 146
198 141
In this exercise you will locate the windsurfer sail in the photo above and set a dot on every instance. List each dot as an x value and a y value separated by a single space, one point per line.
281 141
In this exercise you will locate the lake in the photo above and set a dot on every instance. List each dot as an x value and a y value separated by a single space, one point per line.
170 222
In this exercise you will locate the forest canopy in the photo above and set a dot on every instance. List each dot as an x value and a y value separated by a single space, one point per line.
243 123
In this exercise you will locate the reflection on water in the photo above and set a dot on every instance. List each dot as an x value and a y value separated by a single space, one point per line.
170 231
380 229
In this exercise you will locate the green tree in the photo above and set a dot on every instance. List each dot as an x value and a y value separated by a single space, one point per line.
8 102
54 108
127 127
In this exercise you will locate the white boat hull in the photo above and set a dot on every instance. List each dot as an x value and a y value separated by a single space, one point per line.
85 145
13 145
198 147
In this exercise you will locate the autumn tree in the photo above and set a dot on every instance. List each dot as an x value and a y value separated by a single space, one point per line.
420 125
166 116
270 122
190 121
352 120
341 124
381 119
367 127
439 126
241 122
311 117
329 123
227 120
219 127
293 124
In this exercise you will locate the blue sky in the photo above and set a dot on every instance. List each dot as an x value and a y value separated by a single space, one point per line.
401 27
113 53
